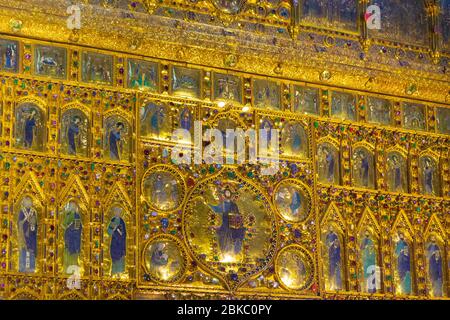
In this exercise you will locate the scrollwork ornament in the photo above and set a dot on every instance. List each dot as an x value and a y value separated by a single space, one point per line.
230 60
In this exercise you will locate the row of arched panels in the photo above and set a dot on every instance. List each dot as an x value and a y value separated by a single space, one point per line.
381 270
401 21
73 229
261 93
75 136
157 122
364 174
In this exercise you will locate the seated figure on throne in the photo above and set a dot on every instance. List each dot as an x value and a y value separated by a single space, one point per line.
231 232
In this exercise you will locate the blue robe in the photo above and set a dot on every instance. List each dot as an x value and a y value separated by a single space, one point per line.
295 203
435 269
397 178
158 193
30 124
365 171
267 132
185 122
72 234
428 177
114 139
334 260
159 258
30 239
155 121
72 132
404 266
369 256
230 237
9 58
330 168
117 231
296 141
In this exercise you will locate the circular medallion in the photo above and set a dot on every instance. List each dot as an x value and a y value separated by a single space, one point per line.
294 268
163 188
229 227
292 201
163 259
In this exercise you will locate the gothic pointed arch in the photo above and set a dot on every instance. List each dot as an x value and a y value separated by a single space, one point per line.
368 220
402 222
333 215
118 194
434 227
74 189
29 184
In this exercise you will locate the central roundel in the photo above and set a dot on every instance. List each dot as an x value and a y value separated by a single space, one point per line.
229 227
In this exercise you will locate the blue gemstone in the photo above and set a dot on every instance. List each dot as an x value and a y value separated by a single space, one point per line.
164 223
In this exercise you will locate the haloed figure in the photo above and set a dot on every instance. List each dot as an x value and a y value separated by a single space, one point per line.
395 168
294 139
115 141
157 120
118 234
334 261
27 226
72 235
435 268
363 170
185 120
428 173
231 233
403 265
369 259
30 129
329 165
72 134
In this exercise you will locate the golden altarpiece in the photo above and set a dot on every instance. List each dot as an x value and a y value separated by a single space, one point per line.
93 205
